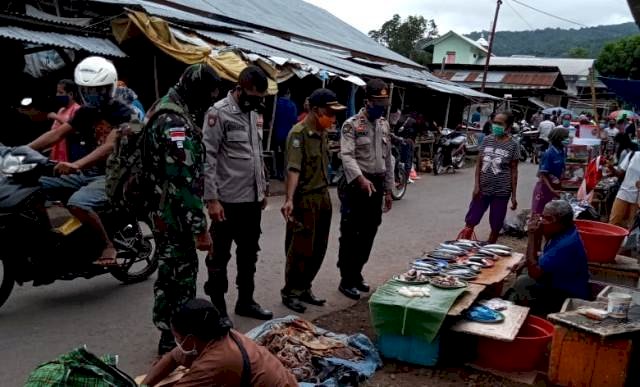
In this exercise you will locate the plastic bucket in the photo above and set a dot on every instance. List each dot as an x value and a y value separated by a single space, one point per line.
601 240
619 304
525 353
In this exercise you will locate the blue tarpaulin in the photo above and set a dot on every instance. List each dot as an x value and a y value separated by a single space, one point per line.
335 372
626 89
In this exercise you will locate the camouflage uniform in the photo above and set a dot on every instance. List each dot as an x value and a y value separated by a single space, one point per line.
308 234
177 159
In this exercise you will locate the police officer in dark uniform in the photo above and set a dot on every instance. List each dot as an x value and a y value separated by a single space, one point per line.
365 189
307 208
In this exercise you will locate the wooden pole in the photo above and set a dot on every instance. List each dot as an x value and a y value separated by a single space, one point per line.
273 120
593 97
155 76
446 117
391 87
493 35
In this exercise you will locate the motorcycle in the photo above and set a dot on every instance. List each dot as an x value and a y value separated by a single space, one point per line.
450 151
64 249
400 174
529 145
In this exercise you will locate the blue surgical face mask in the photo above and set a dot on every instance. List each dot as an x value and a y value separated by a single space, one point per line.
193 352
374 112
566 142
566 123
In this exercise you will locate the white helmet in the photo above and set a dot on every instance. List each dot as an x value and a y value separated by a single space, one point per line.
96 78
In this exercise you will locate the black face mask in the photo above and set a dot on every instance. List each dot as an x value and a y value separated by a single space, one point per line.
248 102
62 101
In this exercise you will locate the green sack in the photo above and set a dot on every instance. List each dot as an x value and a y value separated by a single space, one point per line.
80 368
395 314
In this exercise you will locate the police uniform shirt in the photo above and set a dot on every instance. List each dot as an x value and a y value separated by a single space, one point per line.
307 153
365 148
234 171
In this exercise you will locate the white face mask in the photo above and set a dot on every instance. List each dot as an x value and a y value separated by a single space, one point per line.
192 352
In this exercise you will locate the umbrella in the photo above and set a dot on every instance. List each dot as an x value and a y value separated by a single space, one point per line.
563 111
621 114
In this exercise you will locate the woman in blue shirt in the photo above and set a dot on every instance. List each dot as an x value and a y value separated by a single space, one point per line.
551 169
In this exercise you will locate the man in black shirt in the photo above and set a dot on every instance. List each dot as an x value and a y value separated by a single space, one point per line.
91 140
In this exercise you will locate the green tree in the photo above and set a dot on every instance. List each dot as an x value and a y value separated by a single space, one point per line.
401 36
620 59
578 52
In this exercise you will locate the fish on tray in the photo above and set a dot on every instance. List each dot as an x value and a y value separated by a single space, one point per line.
451 247
498 247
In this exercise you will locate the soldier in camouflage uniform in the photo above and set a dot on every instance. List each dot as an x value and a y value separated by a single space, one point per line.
307 208
176 158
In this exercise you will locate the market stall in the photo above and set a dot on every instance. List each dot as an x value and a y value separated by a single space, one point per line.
444 291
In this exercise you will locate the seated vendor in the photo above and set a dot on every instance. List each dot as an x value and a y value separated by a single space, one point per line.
561 271
215 354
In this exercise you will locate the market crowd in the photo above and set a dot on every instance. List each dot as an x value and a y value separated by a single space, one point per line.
202 158
199 155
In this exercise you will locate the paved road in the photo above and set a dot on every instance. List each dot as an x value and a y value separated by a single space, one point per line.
37 324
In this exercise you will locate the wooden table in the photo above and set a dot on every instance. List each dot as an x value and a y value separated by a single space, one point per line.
602 347
624 271
466 299
502 268
506 330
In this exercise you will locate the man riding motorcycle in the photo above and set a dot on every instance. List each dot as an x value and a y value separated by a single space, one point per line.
91 138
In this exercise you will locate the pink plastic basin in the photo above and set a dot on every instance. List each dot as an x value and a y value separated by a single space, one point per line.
525 353
601 240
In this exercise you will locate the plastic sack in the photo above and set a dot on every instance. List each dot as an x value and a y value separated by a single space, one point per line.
516 225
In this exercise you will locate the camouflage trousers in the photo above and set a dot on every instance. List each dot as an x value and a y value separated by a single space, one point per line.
177 274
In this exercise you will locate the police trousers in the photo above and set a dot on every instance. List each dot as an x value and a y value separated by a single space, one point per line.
361 216
242 226
306 241
177 273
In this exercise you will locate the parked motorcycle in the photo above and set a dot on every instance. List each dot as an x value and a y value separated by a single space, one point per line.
400 174
450 151
41 247
528 141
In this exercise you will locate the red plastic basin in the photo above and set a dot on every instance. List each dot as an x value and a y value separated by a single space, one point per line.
601 240
525 353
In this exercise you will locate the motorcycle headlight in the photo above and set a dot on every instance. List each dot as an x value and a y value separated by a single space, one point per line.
11 164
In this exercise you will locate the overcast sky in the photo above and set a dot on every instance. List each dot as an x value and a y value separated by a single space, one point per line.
465 16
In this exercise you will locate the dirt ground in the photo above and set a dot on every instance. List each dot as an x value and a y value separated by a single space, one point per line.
394 373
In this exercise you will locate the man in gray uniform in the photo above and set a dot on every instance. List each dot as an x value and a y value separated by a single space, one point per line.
235 190
367 182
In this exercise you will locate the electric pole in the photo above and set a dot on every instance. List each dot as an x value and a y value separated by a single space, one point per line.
493 34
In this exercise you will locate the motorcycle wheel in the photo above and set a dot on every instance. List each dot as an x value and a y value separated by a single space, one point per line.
400 188
130 273
6 282
437 163
524 155
459 164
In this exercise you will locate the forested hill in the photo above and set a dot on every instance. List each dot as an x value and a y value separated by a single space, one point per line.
555 42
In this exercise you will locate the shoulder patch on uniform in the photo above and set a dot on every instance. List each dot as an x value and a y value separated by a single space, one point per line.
212 118
178 134
295 143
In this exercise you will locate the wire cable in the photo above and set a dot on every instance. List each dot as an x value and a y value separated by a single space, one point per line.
548 13
519 15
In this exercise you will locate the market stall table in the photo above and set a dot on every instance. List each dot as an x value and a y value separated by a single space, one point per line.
602 347
624 271
506 330
466 299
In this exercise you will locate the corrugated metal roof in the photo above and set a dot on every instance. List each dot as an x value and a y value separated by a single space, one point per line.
298 18
513 79
567 66
169 13
81 43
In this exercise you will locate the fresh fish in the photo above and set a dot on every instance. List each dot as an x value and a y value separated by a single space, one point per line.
476 267
449 251
499 247
485 253
502 253
473 243
450 246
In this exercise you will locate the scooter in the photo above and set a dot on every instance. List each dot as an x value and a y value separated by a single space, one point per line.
400 174
43 243
450 151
